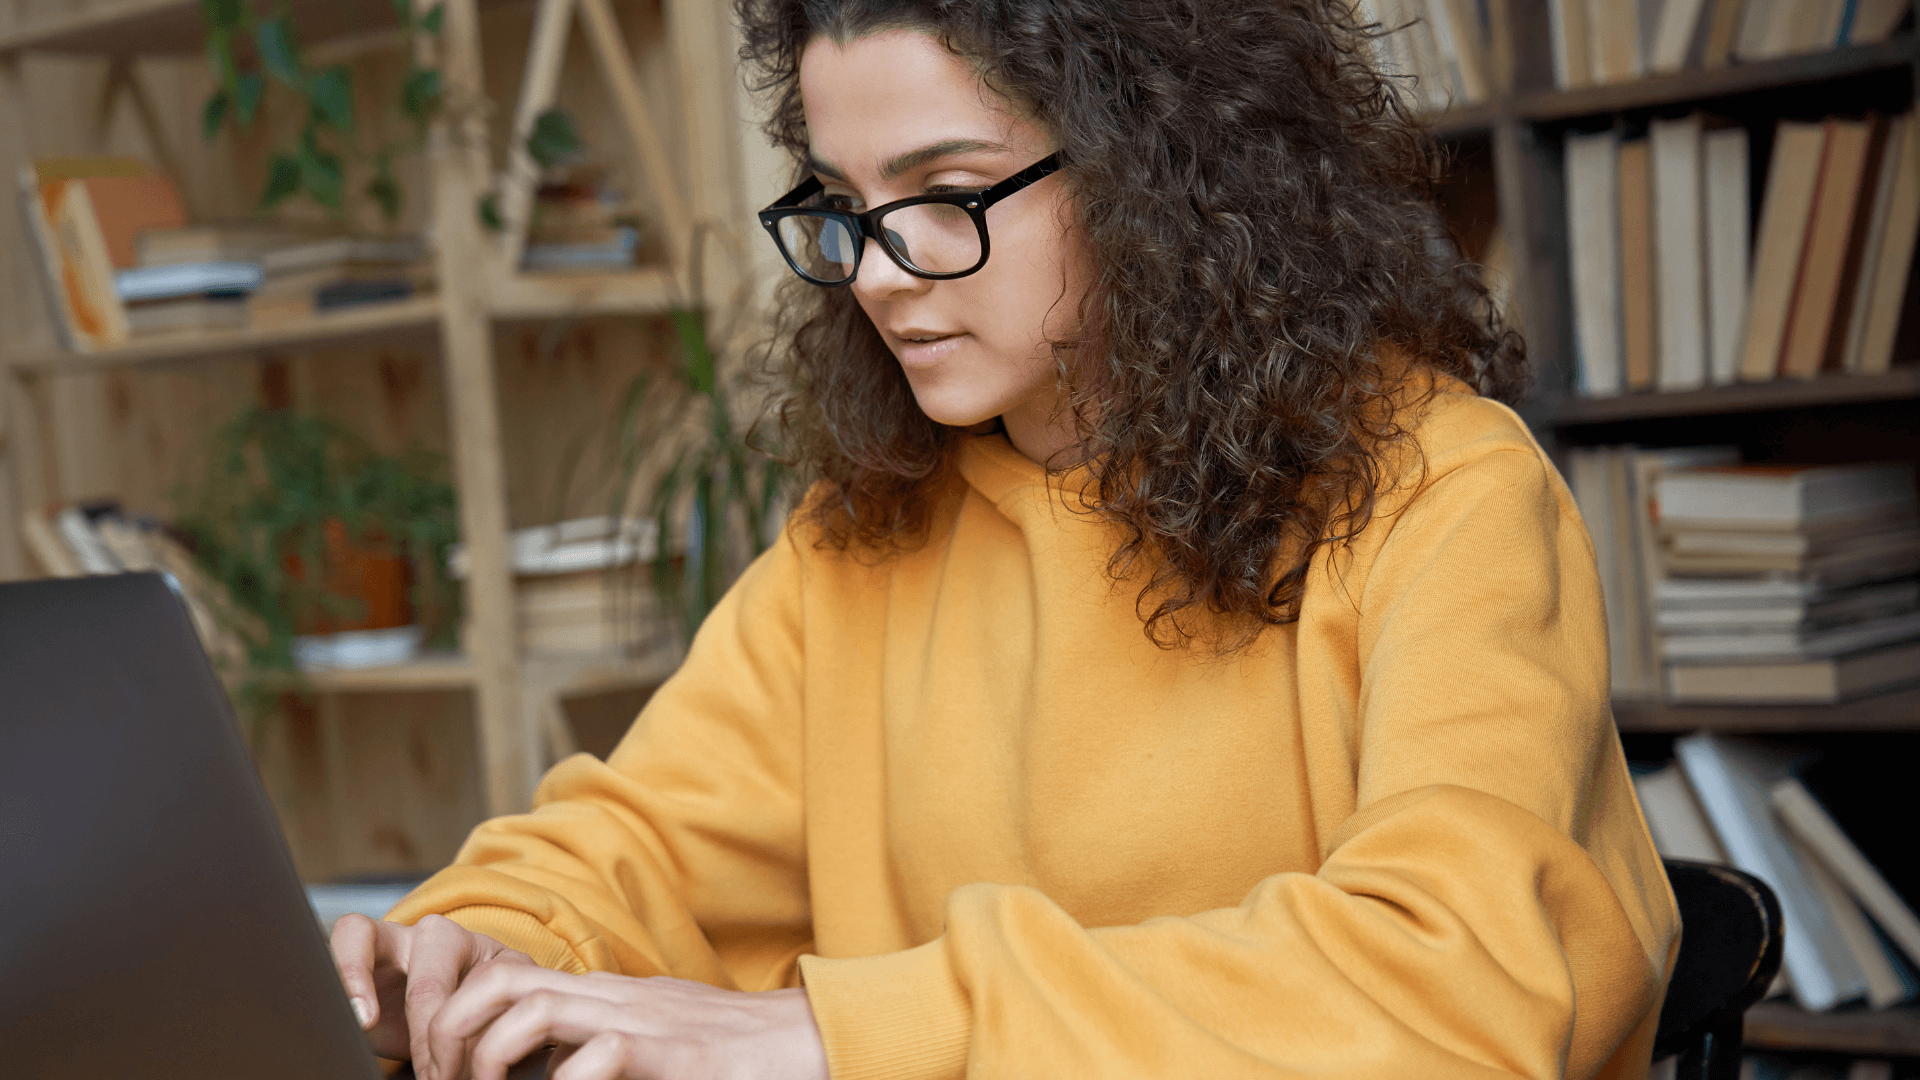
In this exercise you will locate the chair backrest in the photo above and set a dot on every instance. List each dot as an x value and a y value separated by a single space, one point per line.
1729 950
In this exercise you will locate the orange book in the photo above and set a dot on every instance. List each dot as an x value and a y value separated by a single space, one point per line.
1636 263
1793 181
126 206
1834 240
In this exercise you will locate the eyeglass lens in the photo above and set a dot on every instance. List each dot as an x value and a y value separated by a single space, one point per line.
938 238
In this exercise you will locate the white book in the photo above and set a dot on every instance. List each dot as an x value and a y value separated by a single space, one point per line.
1883 982
1761 495
1722 592
1733 778
1792 646
1727 251
1593 237
1678 26
1679 827
1679 239
89 550
1807 819
1588 478
1572 55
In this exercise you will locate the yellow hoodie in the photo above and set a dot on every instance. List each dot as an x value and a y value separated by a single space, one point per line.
997 833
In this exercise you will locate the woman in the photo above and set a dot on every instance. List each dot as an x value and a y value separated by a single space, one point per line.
1182 667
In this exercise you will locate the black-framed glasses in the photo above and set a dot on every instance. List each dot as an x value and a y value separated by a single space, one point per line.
930 236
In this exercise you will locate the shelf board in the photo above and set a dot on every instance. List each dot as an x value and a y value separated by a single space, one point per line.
361 321
641 291
169 27
1900 382
1690 86
1778 1025
1463 120
446 672
1898 710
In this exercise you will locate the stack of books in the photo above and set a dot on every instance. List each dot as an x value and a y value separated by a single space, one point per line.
1751 584
577 226
1827 833
1608 41
307 279
1787 584
579 587
1669 295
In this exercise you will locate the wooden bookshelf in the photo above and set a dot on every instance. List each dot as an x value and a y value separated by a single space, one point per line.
1689 86
419 314
1896 710
451 671
1778 1025
168 27
1898 384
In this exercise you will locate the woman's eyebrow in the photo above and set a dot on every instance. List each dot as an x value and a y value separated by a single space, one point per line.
913 159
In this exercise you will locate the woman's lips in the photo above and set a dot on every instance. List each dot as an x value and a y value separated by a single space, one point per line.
922 353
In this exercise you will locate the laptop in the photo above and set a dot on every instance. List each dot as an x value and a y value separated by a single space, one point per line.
151 923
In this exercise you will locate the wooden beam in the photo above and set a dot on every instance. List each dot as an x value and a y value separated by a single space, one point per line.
603 33
457 158
156 133
545 53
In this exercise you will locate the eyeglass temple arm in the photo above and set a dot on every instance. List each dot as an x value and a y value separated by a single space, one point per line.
1021 180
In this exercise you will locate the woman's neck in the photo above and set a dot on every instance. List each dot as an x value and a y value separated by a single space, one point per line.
1044 430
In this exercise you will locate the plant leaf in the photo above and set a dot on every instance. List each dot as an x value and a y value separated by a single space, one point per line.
420 94
489 211
283 179
212 114
321 171
430 22
554 138
278 52
246 98
332 94
220 55
384 189
221 14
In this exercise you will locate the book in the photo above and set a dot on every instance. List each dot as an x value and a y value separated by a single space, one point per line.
1682 24
185 279
1644 469
1569 30
213 243
1679 827
1823 681
396 251
1799 151
1593 185
1834 232
1725 153
1638 328
187 313
1830 609
1867 558
1679 245
1733 778
1807 819
123 207
1753 40
1884 985
1882 295
1875 21
1723 22
1589 477
1615 40
1793 645
1456 30
1784 496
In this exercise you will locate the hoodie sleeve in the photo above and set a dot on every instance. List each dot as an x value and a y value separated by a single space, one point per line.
682 854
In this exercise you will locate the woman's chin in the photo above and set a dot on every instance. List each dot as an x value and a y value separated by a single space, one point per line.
947 410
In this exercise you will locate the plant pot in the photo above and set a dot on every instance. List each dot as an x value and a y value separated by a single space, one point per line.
375 580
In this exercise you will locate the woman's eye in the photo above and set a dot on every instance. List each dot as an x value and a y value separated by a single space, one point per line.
952 189
843 203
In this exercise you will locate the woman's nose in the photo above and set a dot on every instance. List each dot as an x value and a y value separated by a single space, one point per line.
880 277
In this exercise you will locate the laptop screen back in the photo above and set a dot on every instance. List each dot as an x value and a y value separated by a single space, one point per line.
151 923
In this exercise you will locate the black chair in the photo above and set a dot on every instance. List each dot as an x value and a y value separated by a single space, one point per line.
1729 955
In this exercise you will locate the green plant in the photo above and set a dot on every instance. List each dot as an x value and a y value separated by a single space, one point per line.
316 166
273 480
681 452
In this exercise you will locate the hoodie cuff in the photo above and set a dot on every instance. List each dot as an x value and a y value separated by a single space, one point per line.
519 930
897 1016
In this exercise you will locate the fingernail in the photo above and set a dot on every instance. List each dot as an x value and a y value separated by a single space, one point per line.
362 1012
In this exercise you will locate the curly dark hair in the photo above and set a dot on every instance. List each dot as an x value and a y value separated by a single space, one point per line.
1266 298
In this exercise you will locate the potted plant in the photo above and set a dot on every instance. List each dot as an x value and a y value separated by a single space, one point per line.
313 532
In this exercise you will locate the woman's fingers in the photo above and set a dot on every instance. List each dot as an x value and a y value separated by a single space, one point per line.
487 992
609 1055
438 956
355 940
550 1016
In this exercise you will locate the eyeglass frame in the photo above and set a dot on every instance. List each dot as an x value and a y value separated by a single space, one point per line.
864 227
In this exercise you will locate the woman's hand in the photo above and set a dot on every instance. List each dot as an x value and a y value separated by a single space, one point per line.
400 977
612 1027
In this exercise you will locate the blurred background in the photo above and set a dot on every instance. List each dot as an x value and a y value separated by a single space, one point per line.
414 340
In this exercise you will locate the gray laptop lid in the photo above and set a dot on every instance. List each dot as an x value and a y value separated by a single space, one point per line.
151 923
